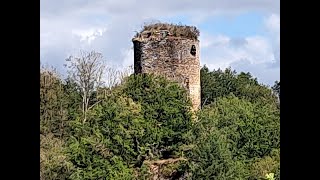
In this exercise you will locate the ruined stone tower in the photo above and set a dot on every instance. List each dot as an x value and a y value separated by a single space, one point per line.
172 51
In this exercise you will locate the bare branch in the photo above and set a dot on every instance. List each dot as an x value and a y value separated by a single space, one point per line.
86 71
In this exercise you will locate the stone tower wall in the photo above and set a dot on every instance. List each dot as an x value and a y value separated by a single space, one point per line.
172 57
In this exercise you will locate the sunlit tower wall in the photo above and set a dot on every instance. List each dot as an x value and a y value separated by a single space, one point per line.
172 51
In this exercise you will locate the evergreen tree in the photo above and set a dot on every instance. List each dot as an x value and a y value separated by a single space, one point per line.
232 134
218 83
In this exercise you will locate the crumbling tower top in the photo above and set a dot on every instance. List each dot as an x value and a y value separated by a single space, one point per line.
170 30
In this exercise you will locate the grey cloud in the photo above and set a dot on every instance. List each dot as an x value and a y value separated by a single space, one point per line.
238 42
116 40
116 7
49 8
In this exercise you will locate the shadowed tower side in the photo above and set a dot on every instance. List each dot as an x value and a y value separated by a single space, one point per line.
172 51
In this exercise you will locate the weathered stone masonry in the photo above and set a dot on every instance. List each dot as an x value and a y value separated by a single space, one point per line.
175 57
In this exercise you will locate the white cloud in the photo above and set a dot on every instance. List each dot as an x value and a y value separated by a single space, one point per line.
221 51
128 57
87 36
273 23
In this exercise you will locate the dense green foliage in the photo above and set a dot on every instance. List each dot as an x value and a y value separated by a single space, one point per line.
218 83
232 134
146 121
53 105
54 163
166 110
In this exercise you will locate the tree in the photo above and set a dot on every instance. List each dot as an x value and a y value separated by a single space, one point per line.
166 107
86 71
216 83
53 103
125 73
103 147
112 77
115 77
276 88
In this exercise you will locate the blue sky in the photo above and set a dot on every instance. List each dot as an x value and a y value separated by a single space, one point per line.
246 24
243 34
242 25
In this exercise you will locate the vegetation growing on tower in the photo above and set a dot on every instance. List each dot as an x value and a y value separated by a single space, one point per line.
176 30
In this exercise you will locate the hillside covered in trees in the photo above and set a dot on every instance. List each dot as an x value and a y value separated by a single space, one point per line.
141 127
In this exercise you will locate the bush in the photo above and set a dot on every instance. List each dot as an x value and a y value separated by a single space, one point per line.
266 165
54 164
